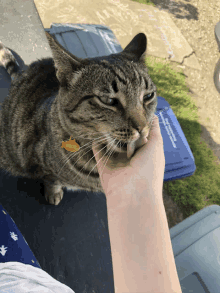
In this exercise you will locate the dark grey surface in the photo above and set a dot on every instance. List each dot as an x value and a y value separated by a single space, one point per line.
71 240
22 30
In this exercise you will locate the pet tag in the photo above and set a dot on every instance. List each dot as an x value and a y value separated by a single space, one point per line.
70 145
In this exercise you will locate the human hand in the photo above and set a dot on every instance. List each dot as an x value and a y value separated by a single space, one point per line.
145 170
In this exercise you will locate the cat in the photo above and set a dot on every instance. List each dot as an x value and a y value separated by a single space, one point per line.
110 100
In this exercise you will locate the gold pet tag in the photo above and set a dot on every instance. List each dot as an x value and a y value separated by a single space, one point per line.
70 145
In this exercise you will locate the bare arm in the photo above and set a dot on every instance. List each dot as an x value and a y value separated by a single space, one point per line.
142 255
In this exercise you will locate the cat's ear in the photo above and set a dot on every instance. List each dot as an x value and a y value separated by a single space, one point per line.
137 48
65 62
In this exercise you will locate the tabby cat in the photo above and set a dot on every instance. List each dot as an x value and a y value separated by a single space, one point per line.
110 100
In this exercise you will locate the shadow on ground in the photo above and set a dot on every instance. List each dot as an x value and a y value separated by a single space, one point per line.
180 9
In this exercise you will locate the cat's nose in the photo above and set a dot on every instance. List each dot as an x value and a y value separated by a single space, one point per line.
144 132
138 128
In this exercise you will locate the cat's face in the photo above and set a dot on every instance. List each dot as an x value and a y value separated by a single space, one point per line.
111 98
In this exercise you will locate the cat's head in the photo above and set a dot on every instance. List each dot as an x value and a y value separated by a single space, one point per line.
110 97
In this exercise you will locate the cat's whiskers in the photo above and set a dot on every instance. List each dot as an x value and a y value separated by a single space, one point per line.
74 154
103 139
103 156
78 151
106 159
110 152
86 146
87 163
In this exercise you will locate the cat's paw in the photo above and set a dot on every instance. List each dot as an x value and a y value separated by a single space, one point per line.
8 61
54 198
5 55
2 53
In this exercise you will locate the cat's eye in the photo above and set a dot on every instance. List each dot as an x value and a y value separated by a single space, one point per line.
108 101
148 97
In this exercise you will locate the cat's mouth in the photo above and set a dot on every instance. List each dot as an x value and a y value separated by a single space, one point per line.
121 145
129 147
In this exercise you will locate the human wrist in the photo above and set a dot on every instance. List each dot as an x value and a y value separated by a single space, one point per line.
141 248
122 197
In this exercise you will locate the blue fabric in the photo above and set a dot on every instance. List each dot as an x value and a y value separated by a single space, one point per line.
13 246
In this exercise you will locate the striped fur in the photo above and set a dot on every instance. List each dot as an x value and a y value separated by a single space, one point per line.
68 96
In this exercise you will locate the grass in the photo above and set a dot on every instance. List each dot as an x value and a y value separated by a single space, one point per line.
148 2
202 188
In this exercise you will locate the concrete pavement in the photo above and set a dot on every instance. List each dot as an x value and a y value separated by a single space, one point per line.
125 18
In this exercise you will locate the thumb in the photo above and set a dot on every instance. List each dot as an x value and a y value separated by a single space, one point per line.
154 137
155 133
154 142
152 152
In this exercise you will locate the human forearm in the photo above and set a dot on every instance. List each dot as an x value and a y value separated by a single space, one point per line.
142 255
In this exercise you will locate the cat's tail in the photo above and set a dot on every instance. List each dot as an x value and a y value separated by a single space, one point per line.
8 61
